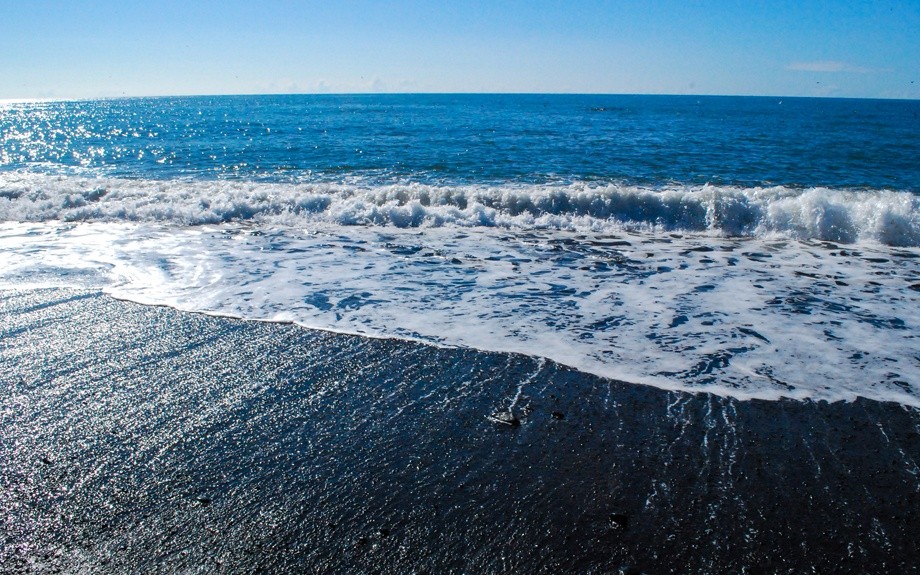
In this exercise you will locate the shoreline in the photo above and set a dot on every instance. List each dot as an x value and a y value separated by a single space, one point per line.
142 438
664 385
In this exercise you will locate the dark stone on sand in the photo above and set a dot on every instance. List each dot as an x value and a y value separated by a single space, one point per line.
47 460
619 521
203 501
384 532
558 415
505 418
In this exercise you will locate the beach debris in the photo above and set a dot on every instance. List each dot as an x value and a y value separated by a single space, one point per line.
384 532
203 501
558 415
619 521
47 460
505 418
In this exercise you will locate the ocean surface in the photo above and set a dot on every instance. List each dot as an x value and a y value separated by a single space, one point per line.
747 247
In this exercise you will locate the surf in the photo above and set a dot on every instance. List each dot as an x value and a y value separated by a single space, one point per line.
889 217
750 318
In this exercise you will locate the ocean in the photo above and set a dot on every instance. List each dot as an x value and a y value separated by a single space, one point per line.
749 247
460 334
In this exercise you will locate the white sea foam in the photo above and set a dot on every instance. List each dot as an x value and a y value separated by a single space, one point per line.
746 317
847 216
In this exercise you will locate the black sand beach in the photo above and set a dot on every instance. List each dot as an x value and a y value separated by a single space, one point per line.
138 439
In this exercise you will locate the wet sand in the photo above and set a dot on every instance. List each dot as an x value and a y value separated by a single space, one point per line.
145 440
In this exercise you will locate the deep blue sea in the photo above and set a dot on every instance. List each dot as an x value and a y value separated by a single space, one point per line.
650 141
752 247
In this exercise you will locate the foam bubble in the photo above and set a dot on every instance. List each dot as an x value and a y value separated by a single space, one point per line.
745 317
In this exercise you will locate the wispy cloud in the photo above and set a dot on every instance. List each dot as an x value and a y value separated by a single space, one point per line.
827 66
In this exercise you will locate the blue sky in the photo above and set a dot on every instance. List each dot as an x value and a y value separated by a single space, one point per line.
795 48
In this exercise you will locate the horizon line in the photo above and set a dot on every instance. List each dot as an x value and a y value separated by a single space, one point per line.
38 99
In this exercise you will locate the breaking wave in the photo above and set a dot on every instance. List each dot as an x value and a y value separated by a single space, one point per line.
887 216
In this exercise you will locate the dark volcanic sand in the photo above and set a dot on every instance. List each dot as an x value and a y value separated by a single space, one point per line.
144 440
